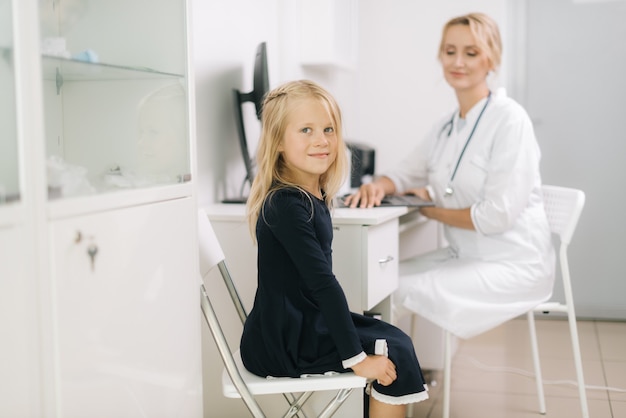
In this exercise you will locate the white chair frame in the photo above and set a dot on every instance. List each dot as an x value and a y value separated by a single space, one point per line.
563 207
237 382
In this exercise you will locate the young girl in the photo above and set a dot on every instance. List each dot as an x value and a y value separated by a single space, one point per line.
300 322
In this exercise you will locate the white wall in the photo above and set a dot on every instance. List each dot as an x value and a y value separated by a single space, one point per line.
575 96
226 34
390 98
401 86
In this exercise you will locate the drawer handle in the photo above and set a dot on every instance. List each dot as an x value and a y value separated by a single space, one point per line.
385 260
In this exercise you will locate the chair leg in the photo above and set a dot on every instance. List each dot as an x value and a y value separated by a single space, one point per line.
337 401
224 350
571 318
297 404
536 363
409 407
447 371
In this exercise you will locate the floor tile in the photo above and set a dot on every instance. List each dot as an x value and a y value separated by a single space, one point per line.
559 378
619 409
612 339
493 373
493 405
616 378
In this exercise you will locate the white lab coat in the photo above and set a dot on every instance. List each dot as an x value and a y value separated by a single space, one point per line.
506 266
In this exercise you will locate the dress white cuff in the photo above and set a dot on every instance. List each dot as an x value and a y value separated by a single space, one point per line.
352 361
380 348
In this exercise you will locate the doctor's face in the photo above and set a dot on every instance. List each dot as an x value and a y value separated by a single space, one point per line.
465 66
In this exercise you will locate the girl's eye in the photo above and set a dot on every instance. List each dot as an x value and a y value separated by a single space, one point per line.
306 130
330 129
450 52
472 53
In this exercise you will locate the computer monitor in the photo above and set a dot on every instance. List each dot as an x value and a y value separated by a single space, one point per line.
363 162
260 88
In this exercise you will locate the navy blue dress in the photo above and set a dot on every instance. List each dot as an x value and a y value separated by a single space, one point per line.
300 322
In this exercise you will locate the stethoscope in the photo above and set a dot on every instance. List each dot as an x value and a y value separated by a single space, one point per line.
449 190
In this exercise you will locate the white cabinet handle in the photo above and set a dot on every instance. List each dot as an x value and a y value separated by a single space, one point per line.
385 260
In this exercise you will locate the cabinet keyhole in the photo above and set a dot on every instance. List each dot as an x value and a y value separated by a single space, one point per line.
92 251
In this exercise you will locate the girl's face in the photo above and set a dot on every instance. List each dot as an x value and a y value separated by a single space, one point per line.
465 67
309 145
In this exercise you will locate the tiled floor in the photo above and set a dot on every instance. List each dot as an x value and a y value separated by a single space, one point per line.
492 373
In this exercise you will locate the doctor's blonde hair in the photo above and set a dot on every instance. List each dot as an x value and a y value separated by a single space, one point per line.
485 31
272 173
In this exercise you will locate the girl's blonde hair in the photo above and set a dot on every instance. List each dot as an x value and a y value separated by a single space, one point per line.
272 172
485 31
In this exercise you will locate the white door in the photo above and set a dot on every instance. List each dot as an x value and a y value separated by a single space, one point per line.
127 312
575 95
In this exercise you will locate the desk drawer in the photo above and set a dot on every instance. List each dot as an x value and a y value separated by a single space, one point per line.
382 263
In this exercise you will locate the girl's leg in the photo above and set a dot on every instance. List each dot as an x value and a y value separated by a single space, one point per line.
384 410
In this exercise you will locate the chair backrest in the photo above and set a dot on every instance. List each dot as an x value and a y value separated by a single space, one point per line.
563 206
211 255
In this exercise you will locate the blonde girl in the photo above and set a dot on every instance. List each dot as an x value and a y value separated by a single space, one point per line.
300 322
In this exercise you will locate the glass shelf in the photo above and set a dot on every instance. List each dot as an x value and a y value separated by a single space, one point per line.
76 70
9 148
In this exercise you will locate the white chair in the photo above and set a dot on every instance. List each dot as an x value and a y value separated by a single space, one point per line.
563 207
237 382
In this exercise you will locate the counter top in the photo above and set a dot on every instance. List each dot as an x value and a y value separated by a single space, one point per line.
341 216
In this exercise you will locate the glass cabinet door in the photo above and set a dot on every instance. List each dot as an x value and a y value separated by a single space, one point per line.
115 95
9 168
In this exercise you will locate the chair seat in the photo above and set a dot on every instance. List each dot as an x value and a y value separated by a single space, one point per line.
551 307
266 386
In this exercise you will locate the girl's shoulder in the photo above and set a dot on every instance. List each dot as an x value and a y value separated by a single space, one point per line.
285 193
283 197
289 204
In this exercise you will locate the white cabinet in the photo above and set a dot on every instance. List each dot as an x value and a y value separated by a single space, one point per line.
115 96
9 162
328 33
99 288
365 252
127 320
19 365
19 372
366 262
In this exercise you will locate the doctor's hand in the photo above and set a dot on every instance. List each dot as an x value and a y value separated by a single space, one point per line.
367 196
378 368
421 192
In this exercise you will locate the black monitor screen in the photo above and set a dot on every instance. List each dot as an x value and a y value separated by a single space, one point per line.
261 78
260 89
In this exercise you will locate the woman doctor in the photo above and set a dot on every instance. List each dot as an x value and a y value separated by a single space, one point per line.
480 166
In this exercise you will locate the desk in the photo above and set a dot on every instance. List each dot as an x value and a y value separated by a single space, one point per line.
365 253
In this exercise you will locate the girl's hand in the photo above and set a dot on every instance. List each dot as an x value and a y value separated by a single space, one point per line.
378 368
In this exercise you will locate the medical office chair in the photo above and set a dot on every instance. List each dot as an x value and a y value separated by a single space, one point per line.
563 207
237 382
